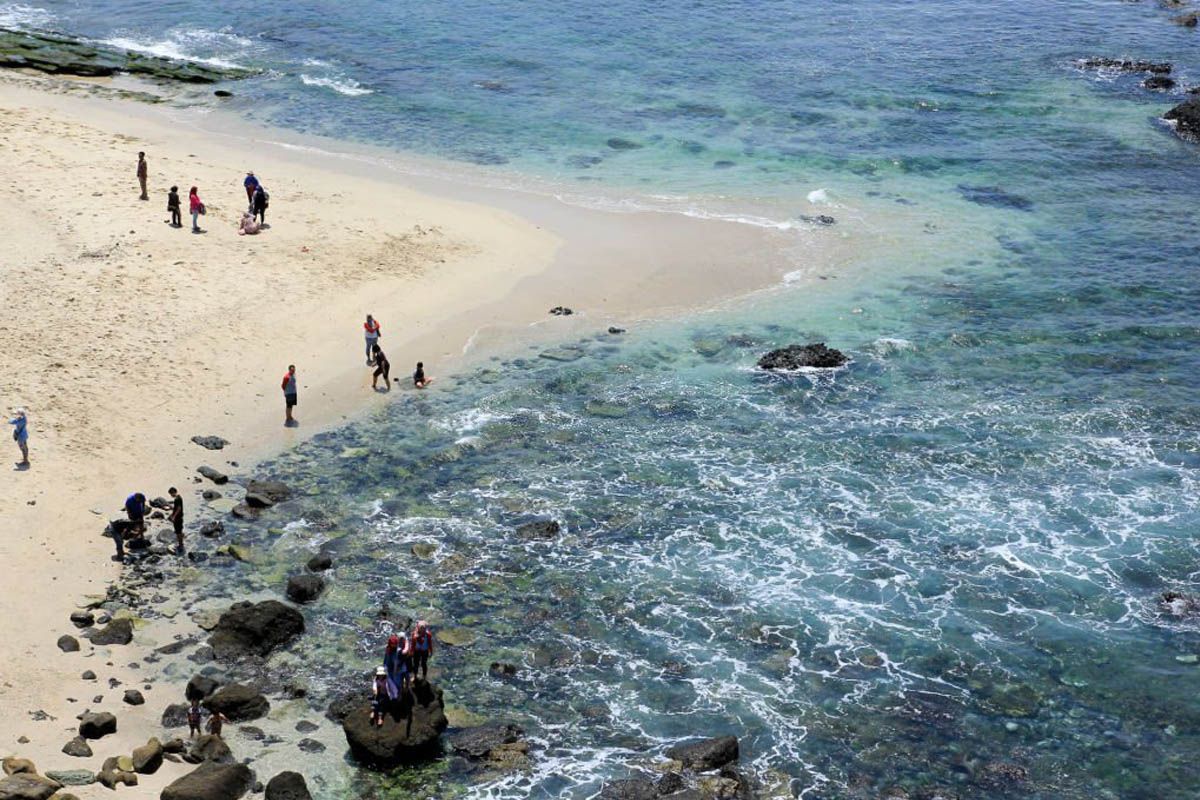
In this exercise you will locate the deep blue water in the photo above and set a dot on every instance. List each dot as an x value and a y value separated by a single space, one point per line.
942 558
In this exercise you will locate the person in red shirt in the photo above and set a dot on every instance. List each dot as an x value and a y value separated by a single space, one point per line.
289 394
372 334
196 207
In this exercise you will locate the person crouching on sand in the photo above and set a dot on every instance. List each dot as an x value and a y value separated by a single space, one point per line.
20 424
196 207
173 207
380 696
251 185
419 379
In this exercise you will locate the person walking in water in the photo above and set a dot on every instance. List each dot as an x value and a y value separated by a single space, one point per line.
419 379
289 395
176 516
422 649
382 367
371 333
196 207
142 173
20 424
173 207
251 184
259 205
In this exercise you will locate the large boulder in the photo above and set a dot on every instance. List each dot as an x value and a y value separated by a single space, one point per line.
629 789
411 731
211 781
119 631
96 725
1186 117
27 786
799 356
148 758
288 786
305 588
15 766
707 753
267 493
320 562
476 743
208 747
255 629
239 702
200 687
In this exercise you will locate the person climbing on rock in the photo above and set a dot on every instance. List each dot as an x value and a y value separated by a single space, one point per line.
422 649
380 696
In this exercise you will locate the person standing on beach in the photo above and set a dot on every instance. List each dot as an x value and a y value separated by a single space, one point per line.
173 207
289 394
251 184
258 205
20 424
176 516
196 206
382 367
142 173
372 334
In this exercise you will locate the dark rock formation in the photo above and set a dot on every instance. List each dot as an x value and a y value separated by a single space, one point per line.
83 619
1125 65
212 529
706 754
479 742
267 493
1188 20
629 789
175 715
1178 604
311 746
78 748
211 781
797 356
1158 83
239 702
255 629
617 143
28 786
320 562
561 311
208 747
287 786
119 631
819 219
210 442
539 529
68 644
615 331
500 669
1186 117
411 731
200 687
133 697
148 758
96 725
216 476
305 588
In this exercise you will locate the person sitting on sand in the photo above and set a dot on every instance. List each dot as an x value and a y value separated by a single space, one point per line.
196 208
260 203
382 367
193 718
422 649
371 333
20 424
135 507
173 207
251 184
216 721
419 379
380 696
248 225
395 661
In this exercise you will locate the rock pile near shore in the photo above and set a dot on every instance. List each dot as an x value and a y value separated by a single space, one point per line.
411 731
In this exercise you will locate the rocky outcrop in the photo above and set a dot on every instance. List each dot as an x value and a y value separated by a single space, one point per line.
799 356
411 731
287 786
629 789
119 631
1158 83
211 781
1186 117
212 529
495 747
97 725
264 494
200 687
27 786
148 758
706 754
1125 65
239 702
175 715
305 588
208 748
255 629
539 529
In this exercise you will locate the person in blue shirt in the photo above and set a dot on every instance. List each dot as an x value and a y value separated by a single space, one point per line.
135 507
251 184
20 425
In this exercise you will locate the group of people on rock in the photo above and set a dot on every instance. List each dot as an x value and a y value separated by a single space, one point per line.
133 528
406 655
253 219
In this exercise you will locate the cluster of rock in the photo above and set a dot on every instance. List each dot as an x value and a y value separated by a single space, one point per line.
803 356
62 55
694 770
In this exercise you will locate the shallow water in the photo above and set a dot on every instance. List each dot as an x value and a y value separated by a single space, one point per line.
941 557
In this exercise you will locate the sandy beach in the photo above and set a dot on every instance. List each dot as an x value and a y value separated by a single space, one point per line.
124 337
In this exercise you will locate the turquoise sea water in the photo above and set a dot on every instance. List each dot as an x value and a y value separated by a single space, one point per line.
938 559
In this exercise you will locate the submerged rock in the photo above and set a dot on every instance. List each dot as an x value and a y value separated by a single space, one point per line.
320 562
706 754
1158 83
994 196
798 356
1125 65
255 629
305 588
539 529
267 493
411 731
1186 117
211 781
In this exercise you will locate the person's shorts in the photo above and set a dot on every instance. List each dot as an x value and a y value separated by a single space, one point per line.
291 400
178 526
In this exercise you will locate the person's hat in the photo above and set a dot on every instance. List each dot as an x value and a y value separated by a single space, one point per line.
381 671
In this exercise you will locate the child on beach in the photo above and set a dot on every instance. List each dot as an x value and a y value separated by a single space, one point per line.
419 379
372 334
20 424
382 367
216 721
193 717
380 696
248 225
173 207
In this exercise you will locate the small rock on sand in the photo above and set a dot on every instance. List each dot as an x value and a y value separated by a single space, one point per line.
216 476
210 442
68 644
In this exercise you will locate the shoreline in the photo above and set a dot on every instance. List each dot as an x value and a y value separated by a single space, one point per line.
111 432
